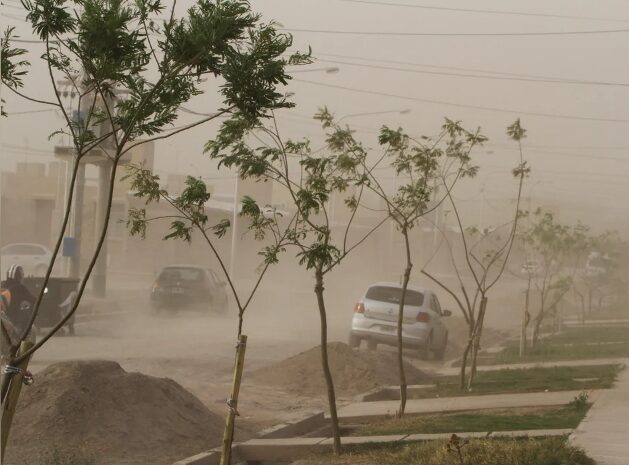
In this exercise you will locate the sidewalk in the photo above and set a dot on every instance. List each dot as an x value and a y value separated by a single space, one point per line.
559 363
453 404
604 433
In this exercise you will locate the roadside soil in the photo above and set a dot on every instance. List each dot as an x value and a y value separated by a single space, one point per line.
197 351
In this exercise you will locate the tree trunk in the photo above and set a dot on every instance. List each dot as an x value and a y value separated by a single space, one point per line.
466 353
536 329
228 434
525 320
336 433
400 321
538 322
478 331
9 402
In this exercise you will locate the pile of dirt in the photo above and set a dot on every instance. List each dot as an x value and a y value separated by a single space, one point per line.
108 415
353 371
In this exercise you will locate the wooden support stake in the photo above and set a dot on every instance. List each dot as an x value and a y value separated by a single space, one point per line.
13 394
228 435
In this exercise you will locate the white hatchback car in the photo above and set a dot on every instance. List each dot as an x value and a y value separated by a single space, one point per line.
33 258
376 314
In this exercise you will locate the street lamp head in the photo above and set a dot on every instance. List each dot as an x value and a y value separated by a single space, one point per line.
406 111
332 70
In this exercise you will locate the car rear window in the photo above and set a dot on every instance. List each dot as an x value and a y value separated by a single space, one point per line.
181 274
393 295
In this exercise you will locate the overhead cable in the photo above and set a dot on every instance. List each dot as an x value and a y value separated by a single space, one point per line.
462 105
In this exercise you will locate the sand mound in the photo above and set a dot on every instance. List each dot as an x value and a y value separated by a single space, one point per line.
353 371
111 415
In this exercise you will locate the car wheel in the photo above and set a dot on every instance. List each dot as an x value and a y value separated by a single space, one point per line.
441 353
424 351
371 344
354 341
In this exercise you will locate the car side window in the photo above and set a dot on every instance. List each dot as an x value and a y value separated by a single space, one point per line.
438 306
435 305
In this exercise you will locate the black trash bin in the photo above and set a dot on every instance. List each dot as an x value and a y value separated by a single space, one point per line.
57 300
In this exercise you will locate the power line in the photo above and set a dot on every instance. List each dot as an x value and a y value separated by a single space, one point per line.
547 152
456 68
461 105
15 7
478 76
5 15
45 110
492 12
455 34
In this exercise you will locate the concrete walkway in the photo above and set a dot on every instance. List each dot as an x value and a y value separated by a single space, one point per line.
363 410
604 433
560 363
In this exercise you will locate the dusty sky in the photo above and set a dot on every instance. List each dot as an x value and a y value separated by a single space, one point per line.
577 163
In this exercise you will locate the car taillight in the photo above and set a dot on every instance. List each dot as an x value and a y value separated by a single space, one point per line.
359 308
423 317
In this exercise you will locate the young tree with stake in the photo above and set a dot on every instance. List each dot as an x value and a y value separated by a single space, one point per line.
486 269
188 217
310 180
107 49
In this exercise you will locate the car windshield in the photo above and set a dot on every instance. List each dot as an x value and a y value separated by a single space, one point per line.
181 274
393 294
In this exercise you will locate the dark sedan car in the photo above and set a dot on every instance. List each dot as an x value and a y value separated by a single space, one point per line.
180 286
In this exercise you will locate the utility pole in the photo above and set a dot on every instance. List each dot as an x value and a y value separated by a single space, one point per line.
76 217
99 279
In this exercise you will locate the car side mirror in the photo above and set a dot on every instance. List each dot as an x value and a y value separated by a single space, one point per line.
446 313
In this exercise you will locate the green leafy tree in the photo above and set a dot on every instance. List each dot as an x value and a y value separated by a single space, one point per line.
418 165
310 180
132 74
485 259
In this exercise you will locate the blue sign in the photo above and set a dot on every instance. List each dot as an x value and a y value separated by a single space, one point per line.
69 247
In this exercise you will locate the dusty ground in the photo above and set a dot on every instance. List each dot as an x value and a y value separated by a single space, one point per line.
197 350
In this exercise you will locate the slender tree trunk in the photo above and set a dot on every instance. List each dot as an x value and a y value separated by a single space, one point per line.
582 299
525 319
400 321
466 352
336 433
538 321
590 297
464 358
476 340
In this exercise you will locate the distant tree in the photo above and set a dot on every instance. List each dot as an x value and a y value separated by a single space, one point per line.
485 259
553 246
310 180
602 270
132 74
419 165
